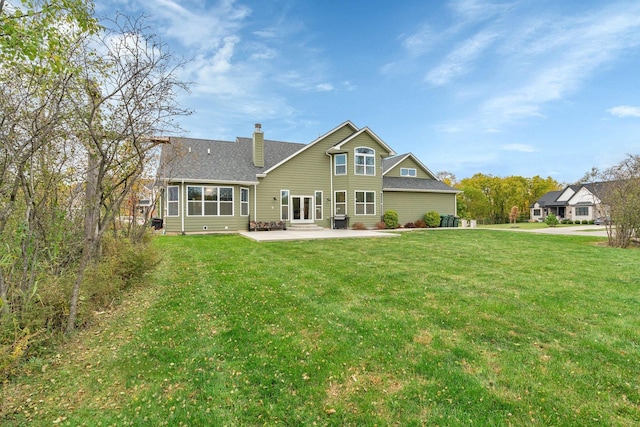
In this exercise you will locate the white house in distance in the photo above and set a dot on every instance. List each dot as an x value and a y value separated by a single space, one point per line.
576 202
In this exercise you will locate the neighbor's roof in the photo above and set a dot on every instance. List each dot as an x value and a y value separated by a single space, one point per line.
394 183
549 198
221 161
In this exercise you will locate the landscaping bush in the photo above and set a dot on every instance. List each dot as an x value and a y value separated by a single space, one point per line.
359 226
551 220
390 219
420 224
585 221
432 219
410 225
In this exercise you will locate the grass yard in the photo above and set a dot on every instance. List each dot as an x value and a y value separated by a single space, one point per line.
472 327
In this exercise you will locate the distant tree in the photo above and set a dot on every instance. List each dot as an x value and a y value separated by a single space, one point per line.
447 177
490 198
513 215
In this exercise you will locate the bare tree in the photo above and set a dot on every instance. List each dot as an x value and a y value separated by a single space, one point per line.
618 191
130 95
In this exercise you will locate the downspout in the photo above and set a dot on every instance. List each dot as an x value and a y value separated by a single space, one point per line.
255 202
331 195
182 214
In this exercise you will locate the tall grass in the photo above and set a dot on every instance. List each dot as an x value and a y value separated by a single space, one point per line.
445 328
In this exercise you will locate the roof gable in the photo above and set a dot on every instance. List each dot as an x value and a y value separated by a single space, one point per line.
345 125
391 163
365 130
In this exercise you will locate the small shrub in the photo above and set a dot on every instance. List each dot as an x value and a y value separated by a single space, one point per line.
410 225
591 222
551 220
585 221
420 224
390 219
381 225
359 226
432 219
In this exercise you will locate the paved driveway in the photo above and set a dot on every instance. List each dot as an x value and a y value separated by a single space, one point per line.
577 230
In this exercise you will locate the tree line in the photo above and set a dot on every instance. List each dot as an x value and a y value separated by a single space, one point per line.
490 199
79 101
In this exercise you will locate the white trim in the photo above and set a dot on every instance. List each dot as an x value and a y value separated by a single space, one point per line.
335 164
288 218
215 182
365 203
345 203
412 190
338 147
364 165
247 202
312 208
217 202
408 173
172 201
315 196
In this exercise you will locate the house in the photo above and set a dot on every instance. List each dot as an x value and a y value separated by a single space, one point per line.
348 174
576 202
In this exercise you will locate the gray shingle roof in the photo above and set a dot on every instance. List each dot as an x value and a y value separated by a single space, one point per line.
416 184
549 198
227 161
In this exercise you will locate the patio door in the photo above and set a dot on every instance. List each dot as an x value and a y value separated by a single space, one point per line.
302 209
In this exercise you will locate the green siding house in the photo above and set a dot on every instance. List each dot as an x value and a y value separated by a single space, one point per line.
348 174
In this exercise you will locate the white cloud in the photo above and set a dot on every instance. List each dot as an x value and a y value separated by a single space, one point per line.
625 111
523 148
324 87
459 61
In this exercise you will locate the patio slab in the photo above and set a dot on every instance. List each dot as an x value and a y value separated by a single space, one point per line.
283 235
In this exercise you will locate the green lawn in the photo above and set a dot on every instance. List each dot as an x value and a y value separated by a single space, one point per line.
472 327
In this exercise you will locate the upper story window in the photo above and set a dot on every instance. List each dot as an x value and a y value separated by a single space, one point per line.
408 172
340 164
365 161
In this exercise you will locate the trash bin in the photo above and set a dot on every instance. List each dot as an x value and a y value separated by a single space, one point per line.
156 223
443 221
456 221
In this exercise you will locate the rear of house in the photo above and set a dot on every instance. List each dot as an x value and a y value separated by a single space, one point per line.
348 174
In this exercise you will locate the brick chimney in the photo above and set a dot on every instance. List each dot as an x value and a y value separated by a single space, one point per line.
258 146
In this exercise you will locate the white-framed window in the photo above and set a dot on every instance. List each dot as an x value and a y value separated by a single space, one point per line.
536 212
209 201
365 202
582 211
365 161
244 202
408 172
319 205
284 205
340 164
340 202
173 200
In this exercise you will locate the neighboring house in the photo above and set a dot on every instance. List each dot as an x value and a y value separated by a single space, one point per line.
574 202
346 173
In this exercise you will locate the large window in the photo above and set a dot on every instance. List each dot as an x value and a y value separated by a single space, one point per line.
582 211
340 164
340 203
284 205
244 201
173 200
365 161
408 172
209 201
536 212
365 203
318 205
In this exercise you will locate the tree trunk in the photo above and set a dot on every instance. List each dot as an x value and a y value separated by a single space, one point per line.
91 241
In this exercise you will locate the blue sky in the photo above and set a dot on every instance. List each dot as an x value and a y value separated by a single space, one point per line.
548 88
